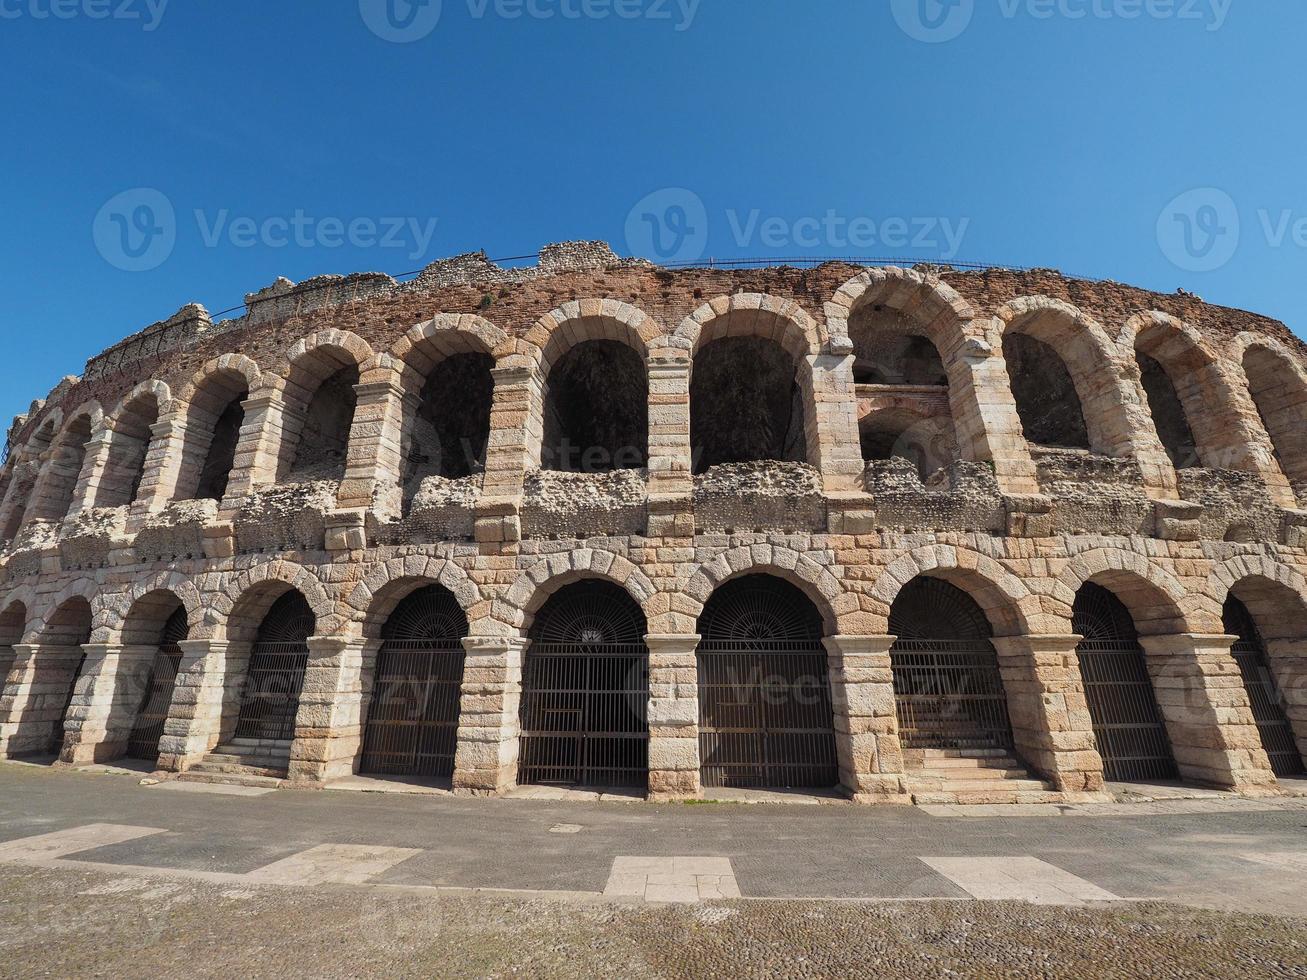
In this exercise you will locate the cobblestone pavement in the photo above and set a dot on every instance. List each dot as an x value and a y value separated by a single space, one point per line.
63 923
101 874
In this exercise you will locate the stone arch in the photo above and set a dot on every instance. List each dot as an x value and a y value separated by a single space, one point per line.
536 584
385 585
1275 593
452 352
1111 412
13 627
236 611
1009 605
579 321
60 484
129 437
233 363
945 316
24 467
753 315
1156 599
212 407
816 581
116 618
51 624
1276 382
24 600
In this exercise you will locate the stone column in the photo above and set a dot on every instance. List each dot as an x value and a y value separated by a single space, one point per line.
113 682
200 693
255 464
1201 696
94 468
831 420
866 720
162 468
985 416
516 430
1287 659
31 709
673 717
1051 725
485 762
671 462
328 728
374 462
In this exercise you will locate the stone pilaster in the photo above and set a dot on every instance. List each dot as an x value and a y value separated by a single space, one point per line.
31 709
1051 725
328 724
516 431
374 462
255 464
99 453
1209 720
670 462
162 462
673 717
985 417
109 690
866 721
200 693
488 721
833 423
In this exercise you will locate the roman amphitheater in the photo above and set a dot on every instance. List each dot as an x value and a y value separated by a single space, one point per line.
901 534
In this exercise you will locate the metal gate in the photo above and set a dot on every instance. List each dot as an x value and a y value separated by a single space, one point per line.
275 675
1263 692
1128 726
57 725
948 691
585 691
156 696
412 727
765 716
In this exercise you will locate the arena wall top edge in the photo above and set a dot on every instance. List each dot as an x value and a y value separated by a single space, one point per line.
380 307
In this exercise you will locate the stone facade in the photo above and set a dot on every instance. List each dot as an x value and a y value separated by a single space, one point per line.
103 533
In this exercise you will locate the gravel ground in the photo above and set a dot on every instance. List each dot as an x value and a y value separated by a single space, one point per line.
92 924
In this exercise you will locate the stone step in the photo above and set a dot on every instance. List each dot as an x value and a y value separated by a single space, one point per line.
208 767
195 775
971 775
993 785
1000 795
276 744
960 762
960 753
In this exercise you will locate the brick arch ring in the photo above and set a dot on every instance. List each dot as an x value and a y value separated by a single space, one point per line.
112 618
1008 603
1192 613
218 614
417 570
801 571
537 583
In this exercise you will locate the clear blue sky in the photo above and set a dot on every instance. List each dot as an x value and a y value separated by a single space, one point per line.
1037 138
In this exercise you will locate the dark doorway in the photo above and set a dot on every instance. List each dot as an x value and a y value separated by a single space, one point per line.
275 676
1263 692
156 697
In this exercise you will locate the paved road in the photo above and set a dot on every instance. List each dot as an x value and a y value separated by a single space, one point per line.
1228 854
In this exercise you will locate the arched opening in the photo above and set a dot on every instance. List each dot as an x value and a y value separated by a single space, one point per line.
889 349
745 404
926 442
62 642
13 621
129 444
1281 400
412 722
213 428
596 403
585 690
19 497
948 690
1264 693
1128 726
317 447
1168 413
1045 394
162 623
58 483
275 676
451 426
765 717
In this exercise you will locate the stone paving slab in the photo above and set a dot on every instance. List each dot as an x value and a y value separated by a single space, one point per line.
674 879
1020 878
340 864
60 843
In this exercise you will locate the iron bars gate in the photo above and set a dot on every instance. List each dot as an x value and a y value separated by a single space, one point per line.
275 676
585 691
1263 692
156 695
765 717
1128 726
948 691
412 726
